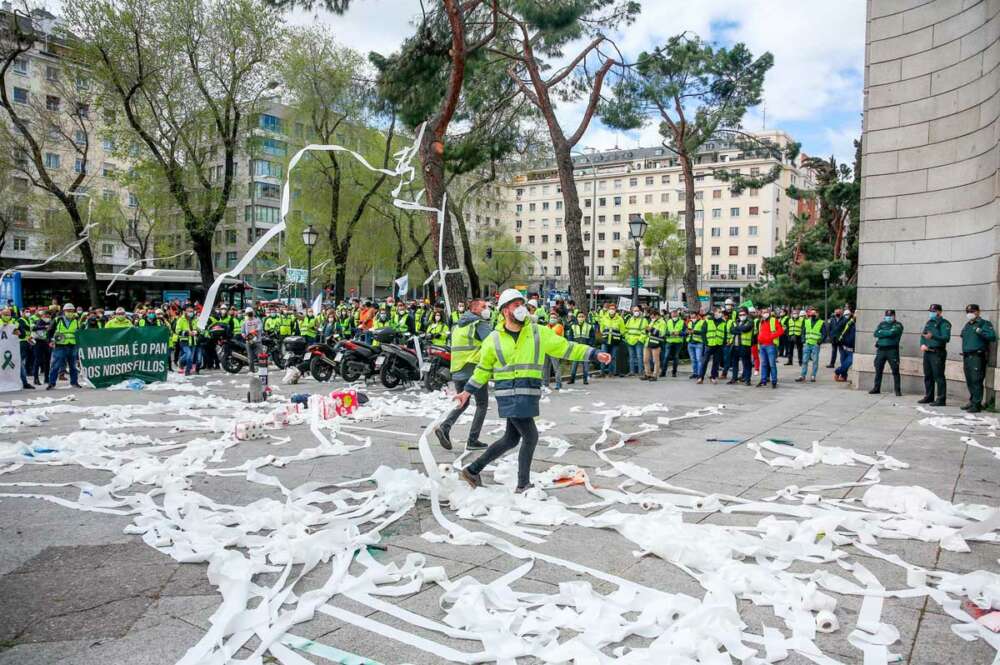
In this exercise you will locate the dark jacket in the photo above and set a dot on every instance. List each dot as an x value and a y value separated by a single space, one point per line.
940 330
888 334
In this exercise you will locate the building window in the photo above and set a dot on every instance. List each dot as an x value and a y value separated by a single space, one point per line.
734 250
19 184
752 250
83 110
270 123
517 239
558 270
107 145
751 270
616 236
265 190
558 238
20 96
51 103
545 239
716 251
545 205
716 193
262 214
262 167
78 166
754 211
734 231
545 255
52 160
559 205
716 232
714 270
230 236
108 195
665 197
107 249
51 73
588 203
602 202
615 253
752 230
633 199
755 192
532 207
616 219
108 170
733 270
20 65
618 183
20 244
586 237
230 259
274 147
716 213
600 271
699 195
133 200
601 219
734 212
664 179
531 240
600 253
699 215
754 172
601 236
682 195
633 182
648 198
649 180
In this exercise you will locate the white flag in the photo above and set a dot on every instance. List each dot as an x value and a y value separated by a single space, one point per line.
403 285
318 302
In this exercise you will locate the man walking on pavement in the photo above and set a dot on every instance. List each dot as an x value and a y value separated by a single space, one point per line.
937 332
887 336
466 341
976 337
513 357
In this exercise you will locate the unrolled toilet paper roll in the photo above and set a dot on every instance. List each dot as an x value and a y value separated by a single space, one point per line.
826 622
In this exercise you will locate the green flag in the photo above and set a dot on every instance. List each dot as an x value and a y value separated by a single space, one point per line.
110 356
747 303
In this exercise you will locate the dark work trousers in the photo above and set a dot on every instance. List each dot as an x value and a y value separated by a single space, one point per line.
519 430
740 356
482 403
974 365
834 348
791 345
934 383
883 355
715 354
40 361
671 356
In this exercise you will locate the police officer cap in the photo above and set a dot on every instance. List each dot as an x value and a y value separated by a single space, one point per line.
890 312
972 308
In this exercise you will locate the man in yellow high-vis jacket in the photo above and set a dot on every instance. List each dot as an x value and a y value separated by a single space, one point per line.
513 358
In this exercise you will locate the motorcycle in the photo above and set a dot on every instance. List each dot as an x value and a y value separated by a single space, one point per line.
321 356
436 368
293 352
232 353
399 364
354 359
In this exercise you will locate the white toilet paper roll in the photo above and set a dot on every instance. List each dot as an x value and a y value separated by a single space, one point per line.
826 622
916 578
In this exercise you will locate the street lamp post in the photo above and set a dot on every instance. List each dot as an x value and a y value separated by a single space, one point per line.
636 229
826 299
309 238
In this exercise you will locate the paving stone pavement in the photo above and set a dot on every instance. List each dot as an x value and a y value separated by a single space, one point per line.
75 589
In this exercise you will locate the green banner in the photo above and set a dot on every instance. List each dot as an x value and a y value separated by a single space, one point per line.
110 356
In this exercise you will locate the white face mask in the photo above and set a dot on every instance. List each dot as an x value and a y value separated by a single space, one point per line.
486 313
847 312
970 316
520 313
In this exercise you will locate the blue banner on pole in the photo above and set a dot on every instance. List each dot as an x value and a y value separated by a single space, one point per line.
10 290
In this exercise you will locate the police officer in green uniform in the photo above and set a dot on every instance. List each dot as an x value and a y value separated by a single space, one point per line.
976 337
934 342
887 335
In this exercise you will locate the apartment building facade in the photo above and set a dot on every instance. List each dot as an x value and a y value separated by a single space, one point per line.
735 232
52 96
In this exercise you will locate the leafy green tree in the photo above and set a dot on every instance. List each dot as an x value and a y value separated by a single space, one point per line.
697 91
531 37
507 263
334 104
664 243
59 122
183 76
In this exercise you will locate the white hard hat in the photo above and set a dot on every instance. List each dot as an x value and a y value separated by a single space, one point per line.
752 309
533 303
249 310
68 307
120 310
729 301
508 296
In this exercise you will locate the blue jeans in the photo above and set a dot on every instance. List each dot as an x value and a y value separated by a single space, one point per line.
696 350
846 360
635 358
611 367
811 352
189 357
586 371
60 356
768 363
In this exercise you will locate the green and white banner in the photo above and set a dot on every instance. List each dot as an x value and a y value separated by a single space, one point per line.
112 356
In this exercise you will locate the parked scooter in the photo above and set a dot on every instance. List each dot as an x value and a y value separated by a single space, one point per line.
399 364
233 353
355 360
436 368
321 356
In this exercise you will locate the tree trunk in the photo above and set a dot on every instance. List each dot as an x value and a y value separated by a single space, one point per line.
432 159
91 271
470 267
572 220
690 236
340 273
202 245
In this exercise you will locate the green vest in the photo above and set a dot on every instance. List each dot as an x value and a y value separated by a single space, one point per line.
285 325
118 322
185 327
66 332
744 338
657 332
464 346
675 330
795 326
814 331
715 332
581 331
307 326
438 331
635 330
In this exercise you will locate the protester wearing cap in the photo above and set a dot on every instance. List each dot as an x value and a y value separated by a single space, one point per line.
62 336
252 330
934 342
977 333
513 358
887 335
119 320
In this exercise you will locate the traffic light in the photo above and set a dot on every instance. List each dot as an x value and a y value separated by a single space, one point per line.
489 253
